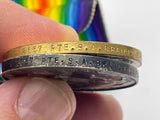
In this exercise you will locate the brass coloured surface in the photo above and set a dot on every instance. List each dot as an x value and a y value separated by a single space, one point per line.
83 47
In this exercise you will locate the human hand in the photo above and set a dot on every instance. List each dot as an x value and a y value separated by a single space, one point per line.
38 98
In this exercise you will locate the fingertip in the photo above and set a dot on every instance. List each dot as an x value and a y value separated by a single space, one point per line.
93 106
115 107
44 98
71 34
36 98
9 94
68 92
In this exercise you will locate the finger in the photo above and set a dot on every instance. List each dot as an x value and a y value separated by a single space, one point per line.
97 107
19 26
33 98
36 99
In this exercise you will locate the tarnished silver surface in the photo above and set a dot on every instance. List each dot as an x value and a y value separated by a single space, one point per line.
119 58
82 72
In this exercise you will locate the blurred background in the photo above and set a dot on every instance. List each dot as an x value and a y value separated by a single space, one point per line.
137 23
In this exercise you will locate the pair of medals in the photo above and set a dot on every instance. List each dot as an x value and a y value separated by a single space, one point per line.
84 65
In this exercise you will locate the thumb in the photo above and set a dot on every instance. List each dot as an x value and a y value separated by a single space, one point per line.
36 99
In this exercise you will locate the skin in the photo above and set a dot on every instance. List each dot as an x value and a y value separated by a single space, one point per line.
19 26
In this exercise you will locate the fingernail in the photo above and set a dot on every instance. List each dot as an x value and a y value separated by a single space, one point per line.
40 99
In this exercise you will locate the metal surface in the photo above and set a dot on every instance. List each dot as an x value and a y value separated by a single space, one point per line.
82 72
80 47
